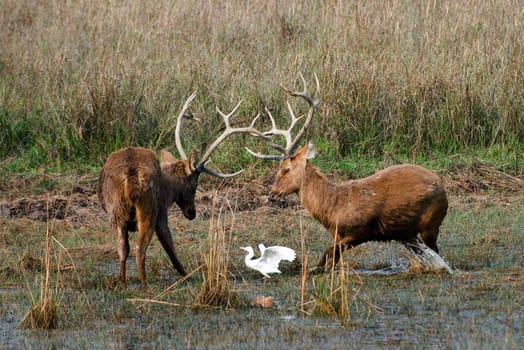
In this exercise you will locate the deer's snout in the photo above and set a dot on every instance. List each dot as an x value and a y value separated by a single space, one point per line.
273 197
277 198
189 213
275 193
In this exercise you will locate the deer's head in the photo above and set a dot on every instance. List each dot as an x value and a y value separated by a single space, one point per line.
182 174
292 164
291 172
182 182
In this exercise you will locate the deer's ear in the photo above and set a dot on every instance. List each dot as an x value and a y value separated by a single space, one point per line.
167 157
190 163
192 158
311 150
306 152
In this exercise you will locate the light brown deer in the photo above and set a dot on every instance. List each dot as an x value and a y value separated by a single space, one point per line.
399 203
136 191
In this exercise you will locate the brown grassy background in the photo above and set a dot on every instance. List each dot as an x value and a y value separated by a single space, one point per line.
401 78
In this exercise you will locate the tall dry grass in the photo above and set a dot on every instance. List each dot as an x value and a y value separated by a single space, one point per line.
216 289
81 78
332 295
45 306
44 311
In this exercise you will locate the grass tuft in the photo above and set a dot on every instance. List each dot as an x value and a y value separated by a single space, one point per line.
216 289
332 294
44 310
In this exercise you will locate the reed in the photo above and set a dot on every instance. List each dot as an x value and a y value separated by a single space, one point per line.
216 289
44 311
332 293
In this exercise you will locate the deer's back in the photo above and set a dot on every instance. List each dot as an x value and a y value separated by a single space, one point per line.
399 200
405 182
130 178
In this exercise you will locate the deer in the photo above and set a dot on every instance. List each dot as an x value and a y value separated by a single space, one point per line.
135 189
403 202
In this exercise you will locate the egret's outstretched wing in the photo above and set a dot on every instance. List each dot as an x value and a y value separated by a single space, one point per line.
269 258
273 255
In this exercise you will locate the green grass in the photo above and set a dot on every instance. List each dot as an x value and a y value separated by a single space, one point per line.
402 80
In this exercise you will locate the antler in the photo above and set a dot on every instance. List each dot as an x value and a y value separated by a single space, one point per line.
201 166
181 115
290 142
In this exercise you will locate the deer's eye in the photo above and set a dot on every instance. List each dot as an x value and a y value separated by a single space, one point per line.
285 171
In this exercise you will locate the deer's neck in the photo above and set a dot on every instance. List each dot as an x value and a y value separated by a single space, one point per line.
169 191
316 193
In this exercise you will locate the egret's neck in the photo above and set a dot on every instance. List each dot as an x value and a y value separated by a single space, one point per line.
249 256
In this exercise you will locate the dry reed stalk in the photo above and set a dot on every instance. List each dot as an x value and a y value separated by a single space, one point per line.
304 273
215 290
333 298
343 283
44 311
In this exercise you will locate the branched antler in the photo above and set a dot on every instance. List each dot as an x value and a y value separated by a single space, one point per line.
202 164
290 142
183 114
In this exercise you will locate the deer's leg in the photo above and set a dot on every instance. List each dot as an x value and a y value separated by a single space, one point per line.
122 247
145 225
429 238
333 252
165 238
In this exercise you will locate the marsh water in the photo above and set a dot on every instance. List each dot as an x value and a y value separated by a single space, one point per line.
479 306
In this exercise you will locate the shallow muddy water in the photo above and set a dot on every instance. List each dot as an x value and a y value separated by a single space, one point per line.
478 307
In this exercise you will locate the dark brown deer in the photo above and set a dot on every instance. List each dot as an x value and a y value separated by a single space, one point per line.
398 203
136 190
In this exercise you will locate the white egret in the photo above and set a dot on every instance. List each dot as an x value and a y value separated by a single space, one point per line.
269 258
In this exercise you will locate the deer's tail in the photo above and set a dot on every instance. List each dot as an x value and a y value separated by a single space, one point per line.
134 185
